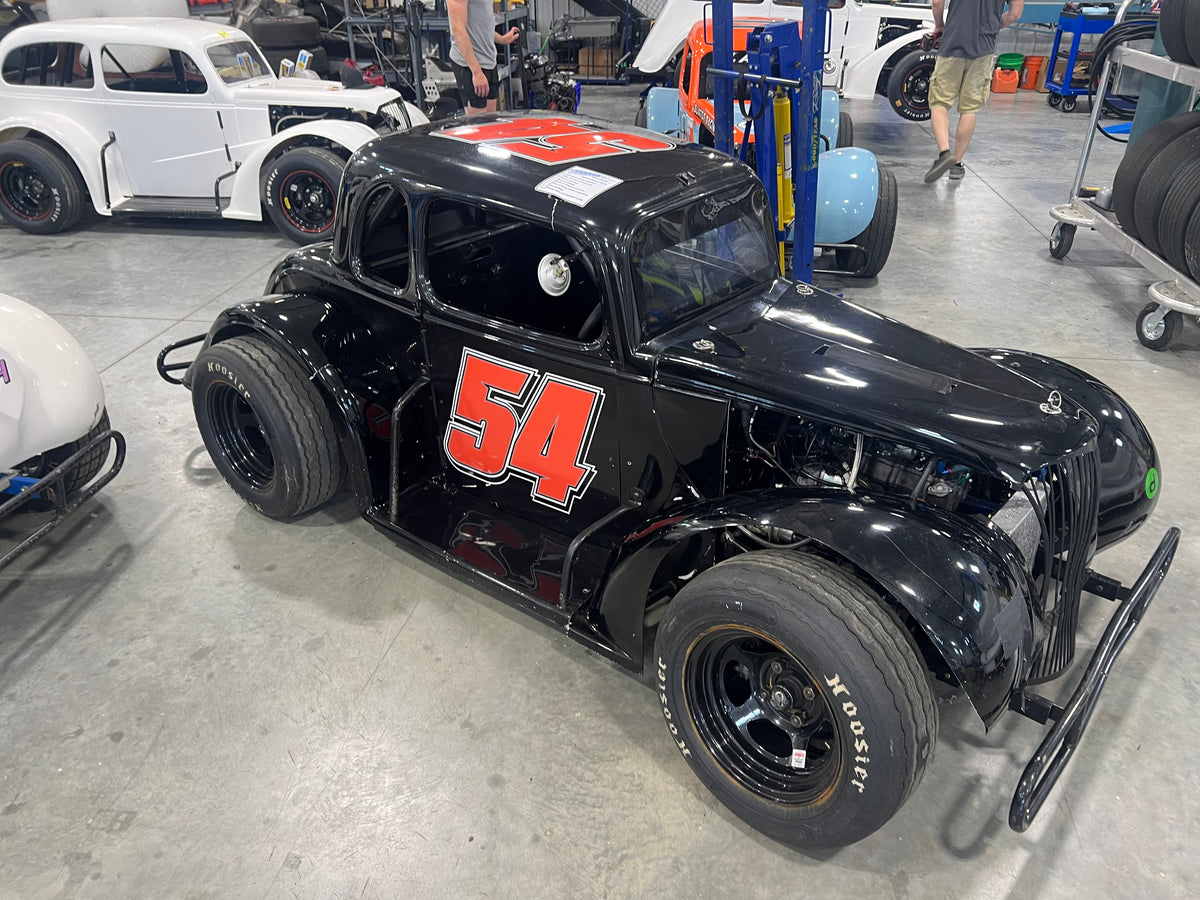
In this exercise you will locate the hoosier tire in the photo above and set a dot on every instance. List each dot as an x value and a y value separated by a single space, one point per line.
266 426
299 190
1172 26
1178 207
875 242
772 653
1164 172
40 191
908 85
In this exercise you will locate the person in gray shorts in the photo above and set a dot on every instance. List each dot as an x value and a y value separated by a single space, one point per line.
966 38
473 41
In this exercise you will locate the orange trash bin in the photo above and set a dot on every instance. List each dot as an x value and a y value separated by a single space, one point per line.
1031 72
1004 81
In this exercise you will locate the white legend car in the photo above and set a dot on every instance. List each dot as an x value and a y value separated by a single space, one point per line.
178 117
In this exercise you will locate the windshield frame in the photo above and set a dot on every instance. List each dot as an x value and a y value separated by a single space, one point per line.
744 194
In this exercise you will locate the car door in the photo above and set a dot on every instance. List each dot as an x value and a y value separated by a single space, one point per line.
524 388
167 124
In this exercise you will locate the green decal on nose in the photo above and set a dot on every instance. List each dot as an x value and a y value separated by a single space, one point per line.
1151 483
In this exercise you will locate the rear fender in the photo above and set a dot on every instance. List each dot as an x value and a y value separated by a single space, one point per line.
78 145
862 75
847 190
961 583
293 323
1130 472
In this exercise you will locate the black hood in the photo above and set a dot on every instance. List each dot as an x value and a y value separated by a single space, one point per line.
806 351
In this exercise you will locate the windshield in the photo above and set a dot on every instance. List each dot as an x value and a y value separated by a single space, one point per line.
700 255
238 61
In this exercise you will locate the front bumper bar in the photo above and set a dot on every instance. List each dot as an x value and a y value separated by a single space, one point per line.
1052 754
53 487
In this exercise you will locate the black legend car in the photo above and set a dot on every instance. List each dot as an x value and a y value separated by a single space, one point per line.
559 357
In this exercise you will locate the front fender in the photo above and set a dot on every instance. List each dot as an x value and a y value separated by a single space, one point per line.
1130 475
961 582
245 201
847 190
293 323
862 75
73 140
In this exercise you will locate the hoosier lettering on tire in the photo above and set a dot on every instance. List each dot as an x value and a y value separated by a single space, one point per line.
265 426
795 696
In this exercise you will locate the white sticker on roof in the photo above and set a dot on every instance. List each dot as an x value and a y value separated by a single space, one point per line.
577 185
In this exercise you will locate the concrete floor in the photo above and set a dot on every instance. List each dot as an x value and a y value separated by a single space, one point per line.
196 701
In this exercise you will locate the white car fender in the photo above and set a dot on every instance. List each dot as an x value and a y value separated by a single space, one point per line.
246 199
862 76
74 141
50 393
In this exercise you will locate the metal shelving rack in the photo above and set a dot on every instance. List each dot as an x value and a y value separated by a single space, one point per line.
1175 291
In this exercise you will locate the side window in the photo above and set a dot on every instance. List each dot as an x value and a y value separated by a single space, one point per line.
487 263
385 245
148 69
685 70
49 65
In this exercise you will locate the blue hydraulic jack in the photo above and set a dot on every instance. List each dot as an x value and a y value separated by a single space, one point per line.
779 61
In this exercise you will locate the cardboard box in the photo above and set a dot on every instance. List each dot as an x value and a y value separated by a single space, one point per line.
597 62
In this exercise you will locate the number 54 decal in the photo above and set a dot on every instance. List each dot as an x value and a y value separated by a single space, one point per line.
512 420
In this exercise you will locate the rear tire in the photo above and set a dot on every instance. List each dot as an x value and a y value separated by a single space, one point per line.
845 136
875 243
300 191
773 653
908 85
266 426
40 191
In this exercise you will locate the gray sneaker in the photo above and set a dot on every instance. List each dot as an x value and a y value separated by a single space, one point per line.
957 172
944 161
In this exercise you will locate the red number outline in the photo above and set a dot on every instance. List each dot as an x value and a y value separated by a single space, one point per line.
521 406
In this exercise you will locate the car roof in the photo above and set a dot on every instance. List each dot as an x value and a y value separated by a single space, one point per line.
125 30
489 158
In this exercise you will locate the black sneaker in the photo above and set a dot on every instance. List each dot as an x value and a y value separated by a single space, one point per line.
944 161
957 172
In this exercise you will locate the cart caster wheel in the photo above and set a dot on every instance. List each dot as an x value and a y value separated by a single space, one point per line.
1060 240
1161 334
1054 99
1068 104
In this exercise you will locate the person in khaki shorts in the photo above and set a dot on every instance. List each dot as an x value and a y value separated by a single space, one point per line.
965 38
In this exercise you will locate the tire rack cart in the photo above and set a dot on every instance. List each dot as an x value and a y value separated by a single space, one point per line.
1076 24
1175 294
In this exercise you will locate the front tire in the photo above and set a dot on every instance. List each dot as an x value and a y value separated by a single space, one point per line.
875 242
40 192
266 426
908 85
300 193
796 697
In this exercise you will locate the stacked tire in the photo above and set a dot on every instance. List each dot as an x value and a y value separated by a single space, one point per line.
1179 26
1156 196
283 38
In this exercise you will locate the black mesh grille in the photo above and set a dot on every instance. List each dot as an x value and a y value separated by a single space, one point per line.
1069 508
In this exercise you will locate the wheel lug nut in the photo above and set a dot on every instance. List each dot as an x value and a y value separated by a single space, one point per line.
809 693
797 721
776 667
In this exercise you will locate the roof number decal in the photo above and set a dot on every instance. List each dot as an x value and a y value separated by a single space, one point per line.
554 141
577 185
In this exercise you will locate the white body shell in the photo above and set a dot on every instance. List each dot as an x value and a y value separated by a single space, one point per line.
853 63
177 145
50 394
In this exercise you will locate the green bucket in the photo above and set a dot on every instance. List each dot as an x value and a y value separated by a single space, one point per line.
1010 61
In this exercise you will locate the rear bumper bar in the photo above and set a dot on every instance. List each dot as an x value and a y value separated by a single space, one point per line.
53 487
1052 754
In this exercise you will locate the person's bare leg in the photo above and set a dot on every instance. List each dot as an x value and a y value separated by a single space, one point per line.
939 118
962 135
477 110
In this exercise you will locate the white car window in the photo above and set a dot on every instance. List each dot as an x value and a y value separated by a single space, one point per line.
53 65
148 69
238 61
